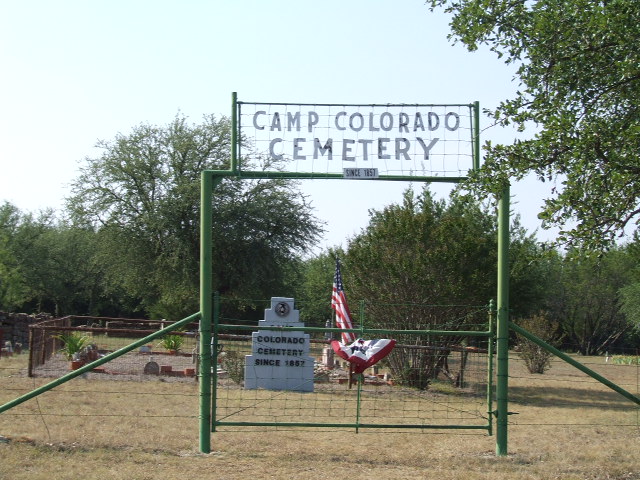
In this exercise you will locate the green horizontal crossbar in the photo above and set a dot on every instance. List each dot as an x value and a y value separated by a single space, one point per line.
353 425
466 333
328 176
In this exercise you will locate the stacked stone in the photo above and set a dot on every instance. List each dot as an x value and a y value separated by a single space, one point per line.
14 327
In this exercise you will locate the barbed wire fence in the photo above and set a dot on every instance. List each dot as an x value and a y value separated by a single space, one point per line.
104 408
564 388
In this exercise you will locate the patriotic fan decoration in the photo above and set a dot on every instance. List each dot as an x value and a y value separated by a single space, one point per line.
361 354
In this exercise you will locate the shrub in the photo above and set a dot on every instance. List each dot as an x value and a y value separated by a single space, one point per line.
173 343
536 358
233 364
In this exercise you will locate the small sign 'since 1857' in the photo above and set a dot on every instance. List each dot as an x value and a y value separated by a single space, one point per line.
360 173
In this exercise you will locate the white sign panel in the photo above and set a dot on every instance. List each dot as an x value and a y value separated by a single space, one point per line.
396 139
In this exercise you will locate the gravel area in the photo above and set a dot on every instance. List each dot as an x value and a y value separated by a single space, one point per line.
130 366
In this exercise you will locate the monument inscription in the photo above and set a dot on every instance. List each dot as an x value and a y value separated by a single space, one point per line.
279 360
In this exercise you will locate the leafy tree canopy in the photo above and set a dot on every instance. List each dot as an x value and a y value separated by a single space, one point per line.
142 194
588 300
431 251
579 84
13 290
45 265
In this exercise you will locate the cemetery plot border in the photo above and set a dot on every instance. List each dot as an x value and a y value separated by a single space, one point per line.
59 345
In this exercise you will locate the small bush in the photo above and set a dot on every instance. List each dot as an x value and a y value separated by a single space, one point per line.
536 358
173 343
233 364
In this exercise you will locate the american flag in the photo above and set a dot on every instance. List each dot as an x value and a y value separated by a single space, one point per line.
339 304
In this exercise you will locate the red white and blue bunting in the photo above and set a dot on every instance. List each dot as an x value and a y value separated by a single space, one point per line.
363 354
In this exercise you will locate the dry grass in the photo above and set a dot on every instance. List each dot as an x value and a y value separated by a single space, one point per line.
567 427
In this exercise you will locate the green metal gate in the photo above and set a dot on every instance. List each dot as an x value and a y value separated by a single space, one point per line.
433 379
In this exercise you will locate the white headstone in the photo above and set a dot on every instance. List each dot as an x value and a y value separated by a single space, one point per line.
279 360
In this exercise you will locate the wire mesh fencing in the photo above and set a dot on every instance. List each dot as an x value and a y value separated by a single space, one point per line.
59 345
438 374
562 401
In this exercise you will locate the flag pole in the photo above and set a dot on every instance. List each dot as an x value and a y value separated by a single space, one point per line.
334 324
350 375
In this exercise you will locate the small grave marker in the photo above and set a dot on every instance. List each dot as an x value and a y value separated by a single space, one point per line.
152 368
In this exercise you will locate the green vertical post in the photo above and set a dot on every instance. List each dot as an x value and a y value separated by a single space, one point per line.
492 308
214 352
476 140
234 132
502 328
206 245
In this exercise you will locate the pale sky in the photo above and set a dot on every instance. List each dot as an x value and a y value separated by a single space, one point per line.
74 72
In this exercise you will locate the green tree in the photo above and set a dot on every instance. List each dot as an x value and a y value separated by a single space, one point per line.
13 289
432 264
64 272
588 300
578 70
412 265
142 196
47 265
630 307
414 261
314 289
534 271
630 294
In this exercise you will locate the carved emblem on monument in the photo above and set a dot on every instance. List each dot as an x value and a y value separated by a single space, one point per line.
282 309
